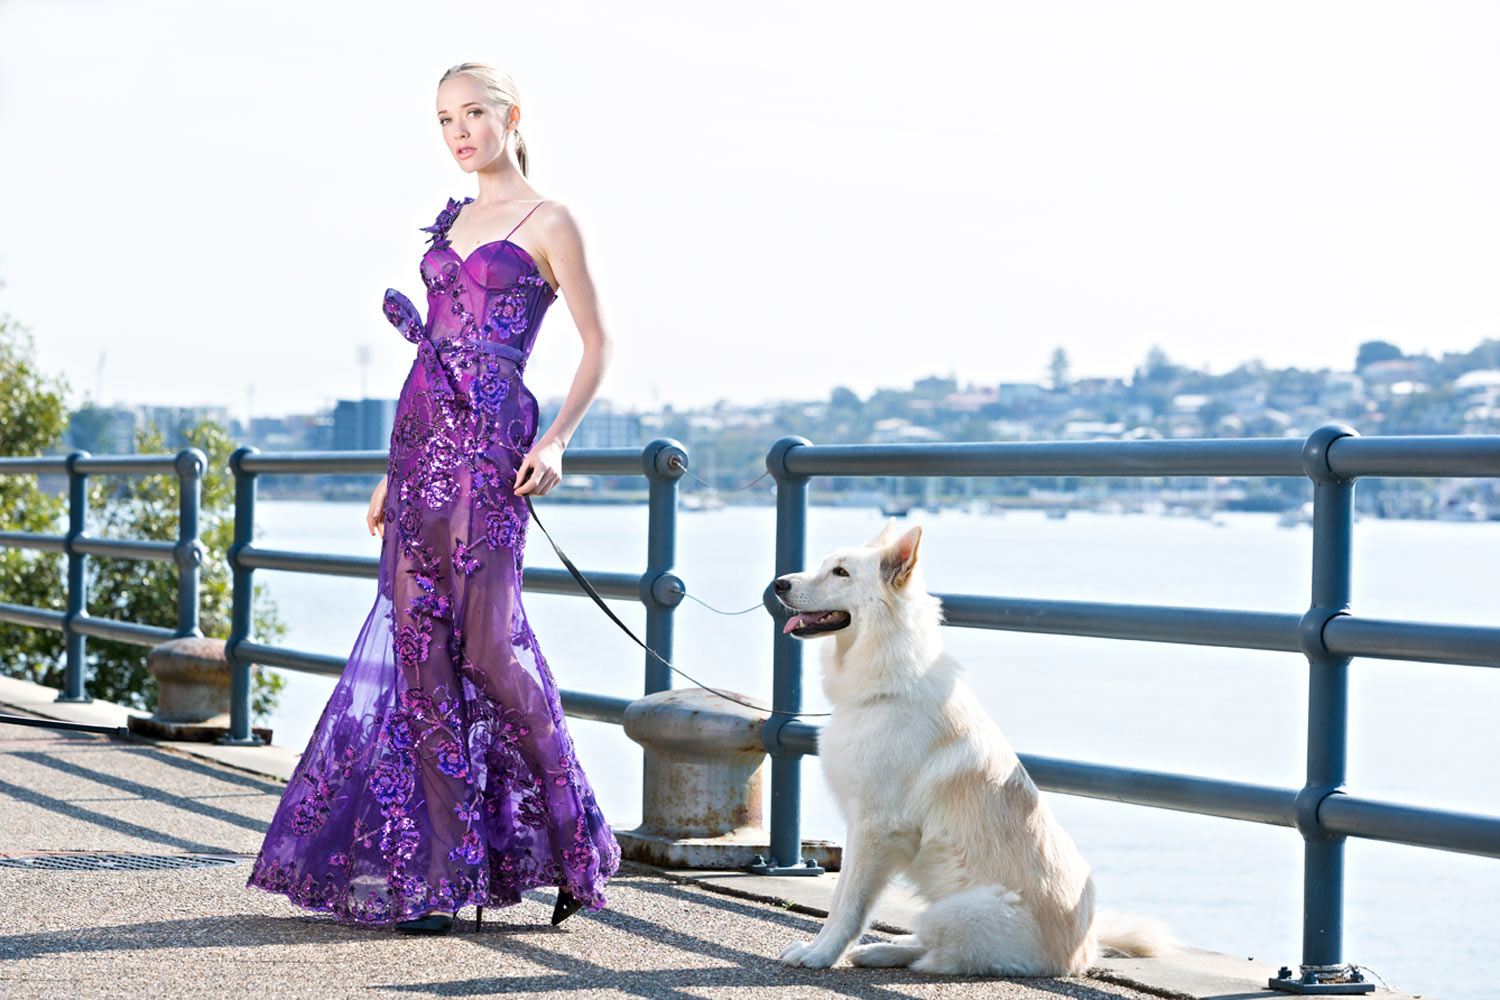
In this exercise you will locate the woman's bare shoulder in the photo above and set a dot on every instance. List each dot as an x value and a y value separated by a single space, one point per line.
560 227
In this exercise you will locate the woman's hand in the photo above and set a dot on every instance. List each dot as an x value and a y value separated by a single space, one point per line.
375 516
544 464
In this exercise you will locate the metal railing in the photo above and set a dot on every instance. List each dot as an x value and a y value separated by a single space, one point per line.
1328 634
187 552
662 462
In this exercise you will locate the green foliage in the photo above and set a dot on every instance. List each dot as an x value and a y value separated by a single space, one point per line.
1058 368
146 507
1158 367
32 420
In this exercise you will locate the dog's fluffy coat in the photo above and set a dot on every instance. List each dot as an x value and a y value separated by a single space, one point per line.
932 790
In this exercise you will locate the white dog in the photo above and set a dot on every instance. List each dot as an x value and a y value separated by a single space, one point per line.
931 789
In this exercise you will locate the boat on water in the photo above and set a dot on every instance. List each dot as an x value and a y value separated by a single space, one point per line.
705 500
896 506
1293 516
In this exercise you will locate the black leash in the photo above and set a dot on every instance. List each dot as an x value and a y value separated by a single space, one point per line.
119 732
626 628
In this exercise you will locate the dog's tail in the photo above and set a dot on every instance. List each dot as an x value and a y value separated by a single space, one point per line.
1126 935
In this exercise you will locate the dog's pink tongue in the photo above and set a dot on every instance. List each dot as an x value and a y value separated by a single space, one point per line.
797 621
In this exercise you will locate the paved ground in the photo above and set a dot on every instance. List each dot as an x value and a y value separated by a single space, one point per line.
202 933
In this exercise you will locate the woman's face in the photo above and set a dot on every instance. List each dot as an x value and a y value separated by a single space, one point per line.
474 132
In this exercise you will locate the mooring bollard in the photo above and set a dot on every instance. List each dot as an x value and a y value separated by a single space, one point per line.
192 692
705 770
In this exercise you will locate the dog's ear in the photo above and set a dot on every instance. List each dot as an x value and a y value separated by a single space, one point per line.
900 557
887 534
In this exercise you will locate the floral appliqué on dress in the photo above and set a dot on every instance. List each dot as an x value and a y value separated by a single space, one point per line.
442 774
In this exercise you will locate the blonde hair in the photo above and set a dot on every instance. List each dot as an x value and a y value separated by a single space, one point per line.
499 90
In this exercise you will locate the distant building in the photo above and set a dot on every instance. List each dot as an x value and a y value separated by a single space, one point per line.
1189 402
101 430
111 430
1342 389
363 424
603 426
1011 393
294 432
173 421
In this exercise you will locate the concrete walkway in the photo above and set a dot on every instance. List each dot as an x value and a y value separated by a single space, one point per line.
200 932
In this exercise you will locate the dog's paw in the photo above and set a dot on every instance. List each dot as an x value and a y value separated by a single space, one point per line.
803 954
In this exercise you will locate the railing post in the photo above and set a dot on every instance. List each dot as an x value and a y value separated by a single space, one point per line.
786 690
1323 969
243 600
188 556
73 687
663 462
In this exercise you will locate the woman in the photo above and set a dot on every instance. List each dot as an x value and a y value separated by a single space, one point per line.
441 774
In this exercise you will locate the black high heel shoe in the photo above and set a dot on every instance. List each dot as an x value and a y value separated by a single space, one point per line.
433 923
566 906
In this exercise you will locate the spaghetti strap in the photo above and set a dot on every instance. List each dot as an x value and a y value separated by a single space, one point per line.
523 221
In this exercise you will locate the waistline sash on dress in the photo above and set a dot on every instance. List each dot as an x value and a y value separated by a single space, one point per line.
404 317
491 346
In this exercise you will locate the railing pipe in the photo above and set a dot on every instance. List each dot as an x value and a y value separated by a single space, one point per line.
786 685
131 632
1447 456
34 465
1327 707
1468 645
662 462
243 593
188 552
73 689
1467 833
1183 457
596 707
140 550
33 540
1146 622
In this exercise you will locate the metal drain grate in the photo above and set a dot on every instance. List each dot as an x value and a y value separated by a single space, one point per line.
113 862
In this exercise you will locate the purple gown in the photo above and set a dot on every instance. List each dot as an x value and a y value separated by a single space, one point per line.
441 774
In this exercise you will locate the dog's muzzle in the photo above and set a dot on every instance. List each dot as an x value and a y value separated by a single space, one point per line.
806 623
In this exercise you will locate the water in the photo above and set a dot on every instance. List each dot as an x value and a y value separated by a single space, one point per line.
1422 734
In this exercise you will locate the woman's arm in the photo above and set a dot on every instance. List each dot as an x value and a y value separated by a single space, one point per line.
562 247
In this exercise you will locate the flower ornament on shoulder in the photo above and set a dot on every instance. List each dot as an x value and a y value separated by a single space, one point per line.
439 229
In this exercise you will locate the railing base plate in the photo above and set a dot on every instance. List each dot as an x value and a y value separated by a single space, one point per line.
80 700
761 866
1286 984
251 741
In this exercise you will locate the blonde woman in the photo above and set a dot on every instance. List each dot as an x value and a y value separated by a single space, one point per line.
441 774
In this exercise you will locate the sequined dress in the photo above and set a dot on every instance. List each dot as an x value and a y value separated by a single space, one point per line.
441 773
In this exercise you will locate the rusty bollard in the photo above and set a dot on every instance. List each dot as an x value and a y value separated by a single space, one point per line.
192 692
704 783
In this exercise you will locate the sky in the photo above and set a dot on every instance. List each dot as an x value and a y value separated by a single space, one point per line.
203 204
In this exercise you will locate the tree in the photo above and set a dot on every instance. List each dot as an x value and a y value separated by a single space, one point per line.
145 507
1058 366
1372 351
1158 367
843 398
933 387
32 420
